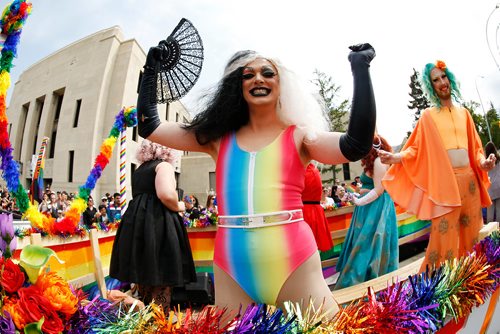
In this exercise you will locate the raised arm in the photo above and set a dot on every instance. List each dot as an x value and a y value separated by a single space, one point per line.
334 148
166 133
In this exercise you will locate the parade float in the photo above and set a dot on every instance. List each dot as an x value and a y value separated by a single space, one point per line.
47 265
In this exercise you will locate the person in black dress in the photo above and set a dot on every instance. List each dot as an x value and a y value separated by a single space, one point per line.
151 247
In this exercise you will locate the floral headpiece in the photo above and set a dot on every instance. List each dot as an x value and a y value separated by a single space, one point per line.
441 65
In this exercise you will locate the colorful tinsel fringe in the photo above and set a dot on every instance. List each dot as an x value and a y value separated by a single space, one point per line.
11 23
69 225
421 304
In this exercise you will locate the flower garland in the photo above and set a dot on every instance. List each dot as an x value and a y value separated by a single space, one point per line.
337 206
34 299
206 218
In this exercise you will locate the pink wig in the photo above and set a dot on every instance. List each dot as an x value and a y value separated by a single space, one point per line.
148 151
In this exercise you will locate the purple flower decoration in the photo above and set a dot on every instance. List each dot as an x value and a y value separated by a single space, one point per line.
8 241
6 324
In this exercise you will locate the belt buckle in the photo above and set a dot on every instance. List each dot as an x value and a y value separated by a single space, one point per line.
256 221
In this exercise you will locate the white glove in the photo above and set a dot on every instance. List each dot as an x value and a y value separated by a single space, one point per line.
367 199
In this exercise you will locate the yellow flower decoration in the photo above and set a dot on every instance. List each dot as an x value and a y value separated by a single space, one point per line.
441 65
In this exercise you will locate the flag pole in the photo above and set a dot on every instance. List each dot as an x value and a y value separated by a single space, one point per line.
38 167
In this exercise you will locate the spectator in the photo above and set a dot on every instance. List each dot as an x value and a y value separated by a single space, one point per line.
89 215
65 202
114 209
60 215
43 206
104 201
191 210
196 203
53 206
102 215
326 200
358 181
212 203
493 211
341 195
335 194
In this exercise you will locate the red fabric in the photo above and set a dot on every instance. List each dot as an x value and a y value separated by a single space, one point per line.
314 215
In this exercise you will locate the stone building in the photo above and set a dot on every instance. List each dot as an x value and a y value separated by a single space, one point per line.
72 96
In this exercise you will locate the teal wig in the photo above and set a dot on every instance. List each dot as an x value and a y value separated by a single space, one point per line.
425 80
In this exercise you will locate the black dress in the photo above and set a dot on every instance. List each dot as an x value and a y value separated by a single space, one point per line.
151 246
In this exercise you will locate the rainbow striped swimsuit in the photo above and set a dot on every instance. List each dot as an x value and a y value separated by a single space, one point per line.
260 259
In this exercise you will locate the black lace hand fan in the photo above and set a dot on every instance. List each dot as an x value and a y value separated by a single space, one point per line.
177 73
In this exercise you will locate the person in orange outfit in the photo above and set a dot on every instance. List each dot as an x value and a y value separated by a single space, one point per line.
313 212
441 172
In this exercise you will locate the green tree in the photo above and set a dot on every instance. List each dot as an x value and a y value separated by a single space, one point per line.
337 112
419 101
492 120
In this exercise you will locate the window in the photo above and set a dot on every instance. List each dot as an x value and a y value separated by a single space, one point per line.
134 133
347 172
77 112
71 164
59 99
22 126
211 181
38 115
52 144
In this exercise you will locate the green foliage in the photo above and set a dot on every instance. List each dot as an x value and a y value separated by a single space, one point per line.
419 101
493 118
337 111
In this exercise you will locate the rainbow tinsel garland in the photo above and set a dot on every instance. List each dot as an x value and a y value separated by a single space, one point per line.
127 117
11 23
420 304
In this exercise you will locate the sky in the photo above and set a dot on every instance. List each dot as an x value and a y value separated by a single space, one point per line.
304 35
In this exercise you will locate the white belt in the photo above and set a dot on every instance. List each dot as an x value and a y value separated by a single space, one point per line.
260 220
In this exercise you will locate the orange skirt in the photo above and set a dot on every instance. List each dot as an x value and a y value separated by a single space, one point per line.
454 234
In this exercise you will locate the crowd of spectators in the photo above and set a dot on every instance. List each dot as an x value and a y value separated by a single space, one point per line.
56 203
340 193
98 212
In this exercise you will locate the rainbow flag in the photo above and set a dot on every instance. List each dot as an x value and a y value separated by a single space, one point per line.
36 189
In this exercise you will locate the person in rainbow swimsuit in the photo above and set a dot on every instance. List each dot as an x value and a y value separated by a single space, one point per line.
441 172
262 127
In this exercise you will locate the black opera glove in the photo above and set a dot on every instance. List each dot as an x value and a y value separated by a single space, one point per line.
147 111
356 143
